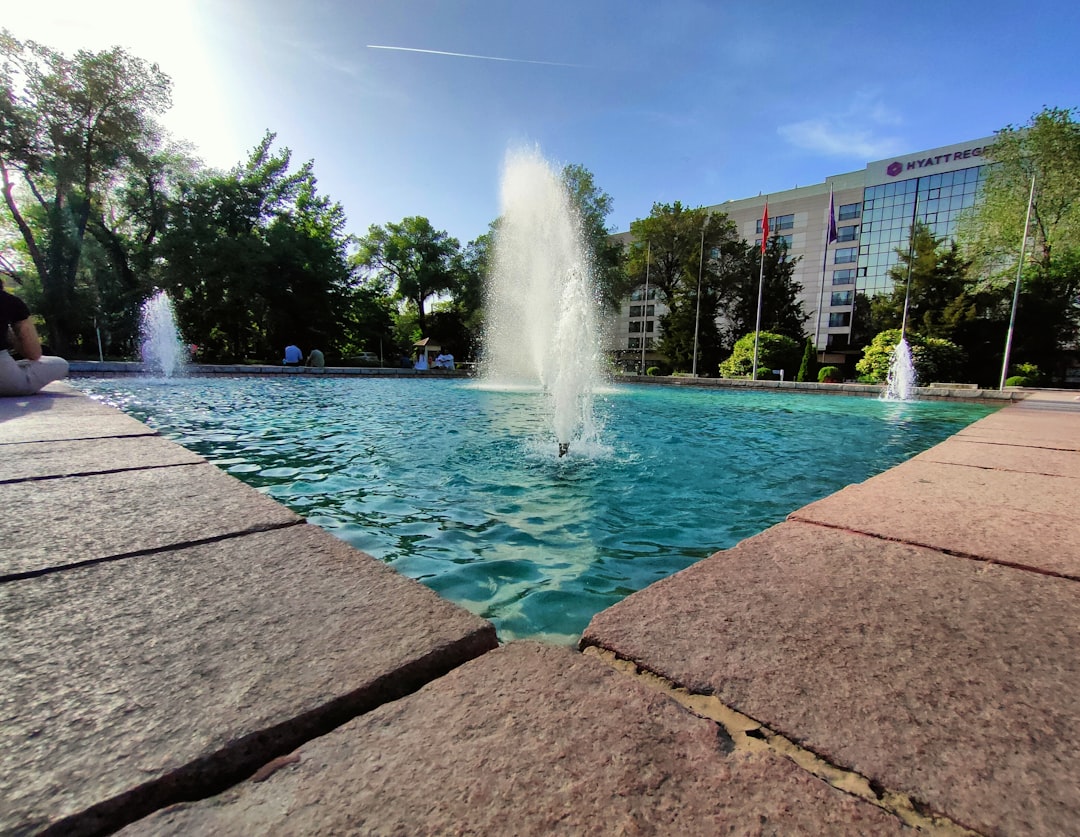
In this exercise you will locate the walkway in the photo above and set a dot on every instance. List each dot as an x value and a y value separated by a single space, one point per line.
902 653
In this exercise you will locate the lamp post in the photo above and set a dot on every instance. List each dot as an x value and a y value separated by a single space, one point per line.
645 305
1016 289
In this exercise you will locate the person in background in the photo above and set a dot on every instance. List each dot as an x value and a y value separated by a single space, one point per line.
17 333
293 355
445 361
316 360
421 361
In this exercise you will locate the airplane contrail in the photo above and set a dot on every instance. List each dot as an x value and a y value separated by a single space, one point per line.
468 55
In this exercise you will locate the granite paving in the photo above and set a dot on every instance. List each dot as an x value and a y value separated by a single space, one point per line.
167 630
528 740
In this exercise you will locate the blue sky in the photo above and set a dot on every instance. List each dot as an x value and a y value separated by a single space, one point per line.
699 102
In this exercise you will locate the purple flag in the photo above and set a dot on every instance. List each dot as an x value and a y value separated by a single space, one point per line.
832 221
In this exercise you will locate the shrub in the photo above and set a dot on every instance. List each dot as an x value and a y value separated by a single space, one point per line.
1018 381
808 367
934 358
829 374
775 351
653 370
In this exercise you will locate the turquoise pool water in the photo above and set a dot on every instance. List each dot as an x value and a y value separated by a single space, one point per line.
461 488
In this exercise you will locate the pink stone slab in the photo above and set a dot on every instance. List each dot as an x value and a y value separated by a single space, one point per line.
1019 519
955 681
1001 457
529 740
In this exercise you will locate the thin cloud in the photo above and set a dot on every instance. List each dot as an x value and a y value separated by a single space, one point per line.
468 55
838 140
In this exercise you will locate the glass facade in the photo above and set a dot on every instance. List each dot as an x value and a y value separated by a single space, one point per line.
889 209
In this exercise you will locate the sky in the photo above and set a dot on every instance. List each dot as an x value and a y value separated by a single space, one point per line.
410 108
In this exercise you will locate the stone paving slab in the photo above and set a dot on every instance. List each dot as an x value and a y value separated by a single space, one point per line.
90 518
59 412
529 739
952 680
1014 518
37 460
1028 426
131 684
1001 457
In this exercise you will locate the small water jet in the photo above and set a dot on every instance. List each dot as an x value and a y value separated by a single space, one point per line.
161 348
541 328
900 382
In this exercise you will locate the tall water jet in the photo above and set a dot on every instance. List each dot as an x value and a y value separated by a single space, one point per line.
160 346
541 324
900 382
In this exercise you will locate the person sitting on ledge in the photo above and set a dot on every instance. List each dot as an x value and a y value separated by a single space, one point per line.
316 360
293 355
17 333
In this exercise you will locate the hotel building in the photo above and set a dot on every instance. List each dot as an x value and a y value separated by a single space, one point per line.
874 208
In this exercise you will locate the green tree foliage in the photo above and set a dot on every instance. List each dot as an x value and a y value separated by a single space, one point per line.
781 309
69 127
934 358
593 207
808 365
939 297
1047 148
1048 314
667 249
775 351
412 260
256 259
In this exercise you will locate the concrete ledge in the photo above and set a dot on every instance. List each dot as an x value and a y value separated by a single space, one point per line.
97 369
528 740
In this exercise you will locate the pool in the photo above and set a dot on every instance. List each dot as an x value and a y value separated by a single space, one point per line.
461 487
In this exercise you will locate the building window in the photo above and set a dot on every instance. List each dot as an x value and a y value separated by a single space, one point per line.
649 325
639 294
635 327
848 233
787 239
840 319
633 343
649 342
849 211
844 277
845 255
650 310
780 222
635 310
842 297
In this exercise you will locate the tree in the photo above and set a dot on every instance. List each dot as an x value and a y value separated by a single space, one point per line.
1048 148
411 259
775 351
781 309
938 300
808 366
667 249
593 207
68 128
255 258
1048 314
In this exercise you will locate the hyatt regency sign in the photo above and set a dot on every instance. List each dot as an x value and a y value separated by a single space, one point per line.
937 160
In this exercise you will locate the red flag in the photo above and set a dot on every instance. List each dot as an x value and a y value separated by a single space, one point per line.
765 228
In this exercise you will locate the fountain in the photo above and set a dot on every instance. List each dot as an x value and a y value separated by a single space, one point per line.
900 382
541 328
162 350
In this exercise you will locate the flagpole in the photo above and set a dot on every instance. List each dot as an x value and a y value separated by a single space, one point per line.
697 314
645 305
1016 288
830 236
760 286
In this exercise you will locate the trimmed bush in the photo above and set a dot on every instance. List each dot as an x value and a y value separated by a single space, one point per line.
829 375
653 370
775 351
